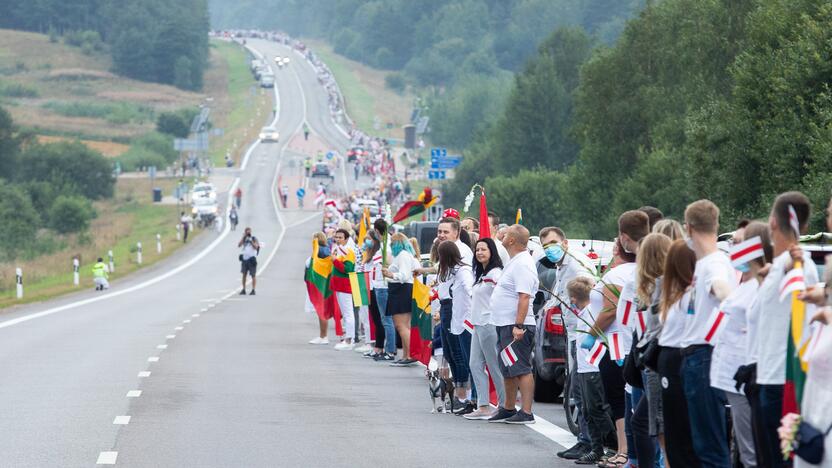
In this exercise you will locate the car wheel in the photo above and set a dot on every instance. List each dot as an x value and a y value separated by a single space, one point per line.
546 391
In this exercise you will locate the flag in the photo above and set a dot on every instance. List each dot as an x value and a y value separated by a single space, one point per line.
792 282
425 200
616 349
468 326
794 222
485 227
519 218
364 226
746 251
596 353
508 355
641 326
320 196
360 287
627 307
421 322
716 323
317 277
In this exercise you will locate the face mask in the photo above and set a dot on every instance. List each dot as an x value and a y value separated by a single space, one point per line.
554 253
743 268
624 247
368 244
689 243
397 248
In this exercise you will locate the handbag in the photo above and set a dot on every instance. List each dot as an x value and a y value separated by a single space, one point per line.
649 355
632 375
808 443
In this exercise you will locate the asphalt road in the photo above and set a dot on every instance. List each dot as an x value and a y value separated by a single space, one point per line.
171 367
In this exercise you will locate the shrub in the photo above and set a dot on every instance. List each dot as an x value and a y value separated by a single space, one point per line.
18 90
395 81
70 214
20 221
177 124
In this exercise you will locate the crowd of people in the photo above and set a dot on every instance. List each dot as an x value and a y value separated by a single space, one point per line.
675 334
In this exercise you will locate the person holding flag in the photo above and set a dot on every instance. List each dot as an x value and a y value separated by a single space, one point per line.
343 262
789 216
400 300
727 331
318 293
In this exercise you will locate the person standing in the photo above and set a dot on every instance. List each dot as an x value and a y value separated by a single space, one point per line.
233 218
343 262
238 197
713 281
511 313
382 292
100 273
323 252
185 220
248 260
284 196
487 271
400 290
305 131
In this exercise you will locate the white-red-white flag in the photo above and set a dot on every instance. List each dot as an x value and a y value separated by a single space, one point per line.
641 324
716 323
596 353
508 355
746 251
794 222
468 326
616 347
793 281
627 307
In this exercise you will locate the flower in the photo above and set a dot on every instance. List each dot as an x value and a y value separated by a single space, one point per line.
787 431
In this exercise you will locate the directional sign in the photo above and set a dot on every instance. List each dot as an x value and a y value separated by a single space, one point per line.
436 175
422 124
438 153
445 163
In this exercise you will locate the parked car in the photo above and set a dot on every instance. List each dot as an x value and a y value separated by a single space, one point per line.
322 170
267 81
424 232
269 134
371 204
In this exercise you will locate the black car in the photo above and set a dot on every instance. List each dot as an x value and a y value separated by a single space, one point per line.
322 170
550 353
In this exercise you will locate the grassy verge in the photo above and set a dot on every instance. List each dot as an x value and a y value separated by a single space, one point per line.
122 221
367 100
236 109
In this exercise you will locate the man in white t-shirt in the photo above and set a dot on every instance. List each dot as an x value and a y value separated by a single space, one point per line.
511 313
774 319
713 281
248 259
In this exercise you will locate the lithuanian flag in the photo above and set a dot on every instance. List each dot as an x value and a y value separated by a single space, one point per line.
360 287
796 365
316 277
415 207
421 323
519 218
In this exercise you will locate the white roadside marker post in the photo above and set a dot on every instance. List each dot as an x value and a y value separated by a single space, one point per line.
112 261
75 275
158 244
139 252
178 233
19 275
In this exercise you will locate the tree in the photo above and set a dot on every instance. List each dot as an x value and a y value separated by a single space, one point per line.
176 124
20 221
70 214
72 167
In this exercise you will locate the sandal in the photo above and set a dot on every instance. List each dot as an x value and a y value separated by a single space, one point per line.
616 461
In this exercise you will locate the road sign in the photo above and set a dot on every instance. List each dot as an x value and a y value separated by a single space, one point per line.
438 153
445 163
184 144
301 192
422 125
436 175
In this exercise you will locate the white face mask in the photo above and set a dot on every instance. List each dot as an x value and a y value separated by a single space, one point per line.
689 243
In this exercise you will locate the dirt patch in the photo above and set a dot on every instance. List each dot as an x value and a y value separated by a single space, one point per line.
107 148
78 74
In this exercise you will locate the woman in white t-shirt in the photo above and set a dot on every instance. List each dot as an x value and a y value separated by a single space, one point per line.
400 292
487 271
673 307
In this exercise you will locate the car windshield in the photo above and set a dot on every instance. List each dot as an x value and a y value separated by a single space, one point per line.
203 188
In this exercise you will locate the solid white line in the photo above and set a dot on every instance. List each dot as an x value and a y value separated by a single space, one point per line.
134 393
122 420
305 220
107 458
153 359
553 432
162 346
144 374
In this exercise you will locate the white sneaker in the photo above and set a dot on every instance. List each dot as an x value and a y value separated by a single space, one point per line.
344 346
319 340
363 348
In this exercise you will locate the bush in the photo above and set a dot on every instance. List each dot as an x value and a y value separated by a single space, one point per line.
159 144
70 214
177 124
18 90
395 81
138 157
69 166
116 113
20 221
88 41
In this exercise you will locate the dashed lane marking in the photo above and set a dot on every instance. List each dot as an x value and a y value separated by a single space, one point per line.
153 359
144 374
122 420
194 315
107 458
162 346
170 337
179 328
134 393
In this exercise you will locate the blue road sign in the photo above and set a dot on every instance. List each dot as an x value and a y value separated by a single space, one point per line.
450 162
301 192
438 153
436 175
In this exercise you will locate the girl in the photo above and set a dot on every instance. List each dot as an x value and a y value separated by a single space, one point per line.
400 292
323 254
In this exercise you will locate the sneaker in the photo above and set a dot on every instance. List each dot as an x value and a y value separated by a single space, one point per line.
251 293
467 408
363 348
521 417
403 362
243 292
344 346
577 451
480 414
371 354
591 457
319 340
501 415
385 357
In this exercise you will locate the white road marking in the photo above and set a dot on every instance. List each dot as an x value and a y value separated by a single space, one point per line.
211 306
207 300
553 432
179 328
134 393
186 321
194 315
122 420
144 374
204 309
162 346
153 359
107 458
170 337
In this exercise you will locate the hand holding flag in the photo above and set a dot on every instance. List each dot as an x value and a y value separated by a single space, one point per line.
596 353
793 282
508 355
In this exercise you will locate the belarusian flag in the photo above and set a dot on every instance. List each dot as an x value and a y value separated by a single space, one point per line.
616 348
508 355
421 322
746 251
793 282
468 326
596 353
626 306
360 287
716 323
641 325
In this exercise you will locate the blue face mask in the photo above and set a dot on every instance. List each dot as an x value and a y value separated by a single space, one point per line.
554 253
744 268
368 244
397 248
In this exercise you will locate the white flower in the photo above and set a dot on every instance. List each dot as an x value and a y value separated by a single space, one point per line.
469 199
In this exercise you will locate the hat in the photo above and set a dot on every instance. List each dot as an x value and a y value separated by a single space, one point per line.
450 213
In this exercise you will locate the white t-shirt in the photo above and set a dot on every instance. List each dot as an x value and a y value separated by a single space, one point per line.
584 367
774 318
481 308
673 329
621 277
463 282
248 248
519 276
375 267
710 269
732 342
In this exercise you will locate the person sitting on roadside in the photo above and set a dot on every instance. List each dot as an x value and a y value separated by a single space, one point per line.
100 273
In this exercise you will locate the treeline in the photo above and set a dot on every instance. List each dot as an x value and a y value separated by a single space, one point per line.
150 40
458 54
49 186
724 99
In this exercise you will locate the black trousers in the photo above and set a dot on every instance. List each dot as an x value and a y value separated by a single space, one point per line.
766 413
645 447
677 435
375 316
595 409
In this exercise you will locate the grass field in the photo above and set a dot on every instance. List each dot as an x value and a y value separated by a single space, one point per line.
128 218
236 109
368 101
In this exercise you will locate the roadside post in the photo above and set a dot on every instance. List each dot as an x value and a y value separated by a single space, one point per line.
19 274
75 274
139 252
158 243
178 233
112 262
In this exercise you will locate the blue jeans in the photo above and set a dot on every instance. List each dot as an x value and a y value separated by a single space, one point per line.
706 409
450 345
386 321
465 348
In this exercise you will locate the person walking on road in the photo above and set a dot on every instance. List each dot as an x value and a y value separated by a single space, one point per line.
305 131
284 195
511 313
307 166
233 218
238 197
100 272
248 260
185 220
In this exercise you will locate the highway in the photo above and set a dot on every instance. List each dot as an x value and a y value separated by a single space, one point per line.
171 367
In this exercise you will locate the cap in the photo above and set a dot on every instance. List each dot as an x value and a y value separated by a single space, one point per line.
450 213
